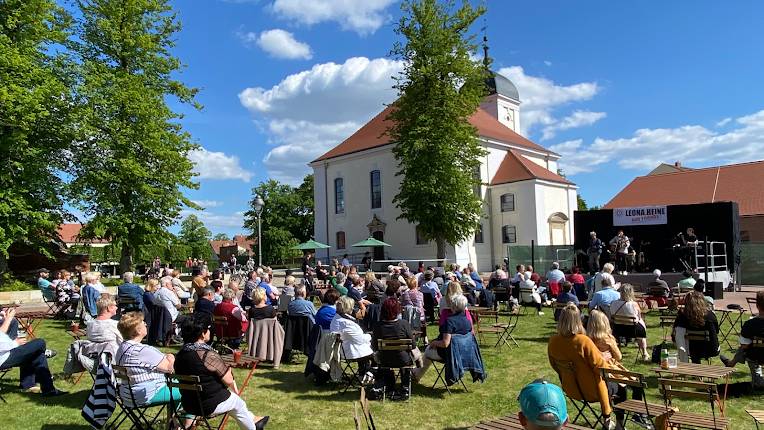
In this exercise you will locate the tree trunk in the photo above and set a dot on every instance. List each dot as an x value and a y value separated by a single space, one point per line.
440 243
3 263
126 259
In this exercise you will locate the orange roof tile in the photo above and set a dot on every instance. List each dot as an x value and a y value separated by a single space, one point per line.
239 240
69 233
373 135
739 183
515 168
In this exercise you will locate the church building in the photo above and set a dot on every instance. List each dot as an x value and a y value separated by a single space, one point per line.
524 198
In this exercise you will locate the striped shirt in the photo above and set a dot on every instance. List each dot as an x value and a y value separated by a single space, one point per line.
141 362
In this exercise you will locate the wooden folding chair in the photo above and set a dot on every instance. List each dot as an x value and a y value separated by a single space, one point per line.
189 383
138 415
757 415
3 372
366 411
635 381
698 336
399 345
752 305
667 324
577 398
489 324
693 390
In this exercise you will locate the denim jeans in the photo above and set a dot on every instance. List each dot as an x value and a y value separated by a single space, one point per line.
32 363
13 328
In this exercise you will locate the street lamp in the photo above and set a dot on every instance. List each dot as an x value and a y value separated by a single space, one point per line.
259 204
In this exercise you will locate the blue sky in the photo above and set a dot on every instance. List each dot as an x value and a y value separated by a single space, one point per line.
615 87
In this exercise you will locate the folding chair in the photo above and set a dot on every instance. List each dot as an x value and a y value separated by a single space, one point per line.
189 383
698 336
220 344
440 369
633 380
138 415
3 372
526 293
366 412
577 398
399 345
501 293
489 324
757 415
667 324
752 305
350 368
624 329
672 388
126 304
54 308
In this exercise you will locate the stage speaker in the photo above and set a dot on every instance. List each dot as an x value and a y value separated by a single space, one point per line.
715 290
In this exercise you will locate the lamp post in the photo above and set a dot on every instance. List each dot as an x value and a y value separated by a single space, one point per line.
259 204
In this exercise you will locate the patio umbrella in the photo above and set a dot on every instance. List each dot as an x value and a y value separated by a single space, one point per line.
311 244
369 242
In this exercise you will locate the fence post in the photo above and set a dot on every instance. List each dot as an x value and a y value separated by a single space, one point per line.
533 253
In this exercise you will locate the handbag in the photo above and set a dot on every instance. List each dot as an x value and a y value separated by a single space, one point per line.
655 357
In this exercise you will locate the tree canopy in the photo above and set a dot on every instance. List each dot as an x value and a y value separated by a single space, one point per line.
436 147
221 236
36 105
133 163
287 217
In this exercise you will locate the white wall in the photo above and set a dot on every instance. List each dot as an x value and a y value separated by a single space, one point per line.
552 198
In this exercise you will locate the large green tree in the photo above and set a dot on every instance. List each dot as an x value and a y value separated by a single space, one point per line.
35 119
132 165
194 234
436 147
287 218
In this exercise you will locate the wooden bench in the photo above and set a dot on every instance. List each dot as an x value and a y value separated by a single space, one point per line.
511 422
757 415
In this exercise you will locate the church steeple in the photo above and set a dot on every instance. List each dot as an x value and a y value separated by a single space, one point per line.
486 59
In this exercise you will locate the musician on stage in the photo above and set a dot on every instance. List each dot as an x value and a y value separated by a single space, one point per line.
685 247
621 244
594 251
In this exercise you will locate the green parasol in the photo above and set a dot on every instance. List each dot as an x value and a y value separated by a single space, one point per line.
369 242
311 244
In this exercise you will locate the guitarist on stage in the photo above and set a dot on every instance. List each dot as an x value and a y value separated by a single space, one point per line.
621 244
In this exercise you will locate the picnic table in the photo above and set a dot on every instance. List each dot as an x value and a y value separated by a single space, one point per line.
701 372
245 362
731 318
511 422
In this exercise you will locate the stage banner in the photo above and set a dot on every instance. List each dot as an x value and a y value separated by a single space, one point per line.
640 215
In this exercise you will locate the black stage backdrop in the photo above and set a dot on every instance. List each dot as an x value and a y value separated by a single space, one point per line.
717 221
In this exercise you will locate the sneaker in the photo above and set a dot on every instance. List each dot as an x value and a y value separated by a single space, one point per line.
34 389
642 421
260 425
50 353
368 379
540 313
610 424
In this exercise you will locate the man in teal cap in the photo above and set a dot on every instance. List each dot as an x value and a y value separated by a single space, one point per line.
542 406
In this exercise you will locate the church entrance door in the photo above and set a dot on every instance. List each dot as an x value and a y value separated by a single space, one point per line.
379 251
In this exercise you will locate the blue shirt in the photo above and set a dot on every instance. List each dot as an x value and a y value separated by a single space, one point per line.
430 287
302 307
555 275
604 297
267 287
132 291
325 315
567 297
478 280
89 297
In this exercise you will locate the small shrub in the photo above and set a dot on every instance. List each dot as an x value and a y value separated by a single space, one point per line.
9 283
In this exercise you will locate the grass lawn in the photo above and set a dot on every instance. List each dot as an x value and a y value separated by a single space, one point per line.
294 403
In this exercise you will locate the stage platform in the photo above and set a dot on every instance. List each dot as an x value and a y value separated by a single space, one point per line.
640 280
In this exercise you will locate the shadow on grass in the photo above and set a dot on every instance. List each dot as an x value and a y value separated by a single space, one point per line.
64 427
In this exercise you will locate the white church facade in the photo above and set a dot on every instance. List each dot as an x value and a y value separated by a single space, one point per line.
524 198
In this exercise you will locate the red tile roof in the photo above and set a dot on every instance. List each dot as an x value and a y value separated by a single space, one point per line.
372 135
69 234
239 240
741 183
515 168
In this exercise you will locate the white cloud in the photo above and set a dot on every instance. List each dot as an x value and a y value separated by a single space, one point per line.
309 112
690 144
279 44
217 165
216 221
206 204
724 122
579 118
547 63
541 96
361 16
